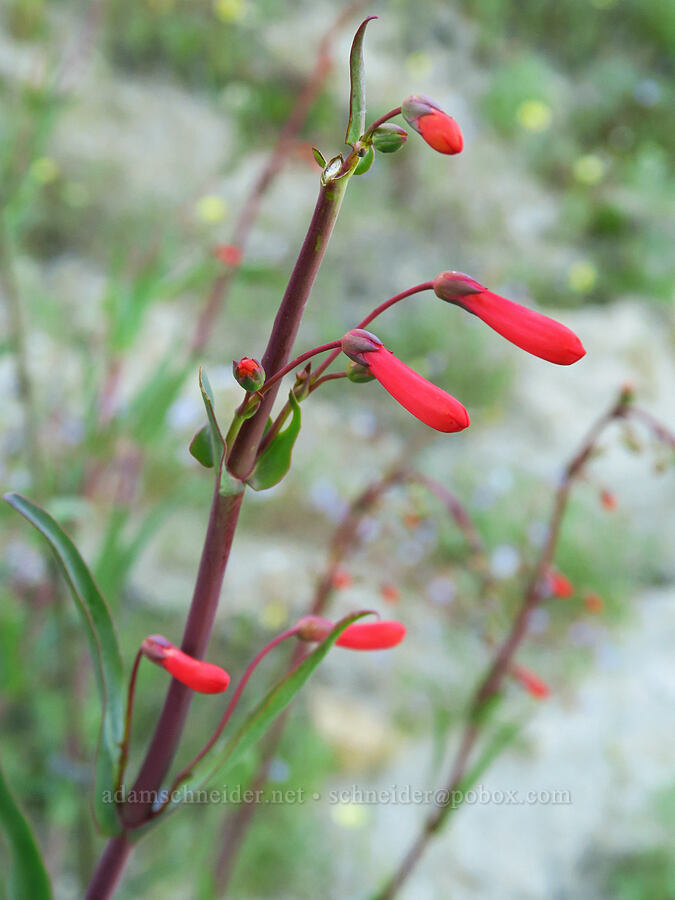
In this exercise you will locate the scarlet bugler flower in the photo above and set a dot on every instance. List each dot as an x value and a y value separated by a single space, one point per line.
204 677
439 130
527 329
229 254
249 374
359 636
559 585
532 683
424 400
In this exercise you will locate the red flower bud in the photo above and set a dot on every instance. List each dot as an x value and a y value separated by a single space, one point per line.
427 402
341 579
200 676
559 585
531 682
228 254
594 602
360 636
527 329
249 374
439 130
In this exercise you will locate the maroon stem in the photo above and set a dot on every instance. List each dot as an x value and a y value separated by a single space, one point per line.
287 322
109 869
273 166
217 544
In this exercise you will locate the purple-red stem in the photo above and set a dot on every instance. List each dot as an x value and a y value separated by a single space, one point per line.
231 706
242 458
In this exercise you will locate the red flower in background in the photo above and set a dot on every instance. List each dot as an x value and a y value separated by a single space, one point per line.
204 677
424 400
439 130
559 585
532 683
527 329
229 254
608 500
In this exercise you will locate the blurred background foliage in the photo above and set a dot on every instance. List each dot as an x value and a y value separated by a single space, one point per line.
130 133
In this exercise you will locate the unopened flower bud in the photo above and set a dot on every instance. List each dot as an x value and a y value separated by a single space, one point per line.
313 629
358 374
249 374
439 130
194 673
389 138
359 341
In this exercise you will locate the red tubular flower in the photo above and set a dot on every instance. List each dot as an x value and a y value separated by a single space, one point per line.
424 400
200 676
360 636
527 329
532 683
439 130
559 585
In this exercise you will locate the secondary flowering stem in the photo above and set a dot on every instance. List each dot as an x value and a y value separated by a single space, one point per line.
418 288
124 755
502 662
231 706
385 118
295 363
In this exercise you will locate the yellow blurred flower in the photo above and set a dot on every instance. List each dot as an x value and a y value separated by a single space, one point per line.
534 115
274 615
350 815
419 64
229 10
582 277
589 169
211 209
44 170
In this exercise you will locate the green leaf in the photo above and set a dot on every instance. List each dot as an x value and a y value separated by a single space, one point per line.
365 162
275 460
104 650
29 879
357 99
318 156
217 440
202 448
260 719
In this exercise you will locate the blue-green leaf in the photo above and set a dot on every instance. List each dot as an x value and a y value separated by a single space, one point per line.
357 97
28 879
275 460
104 650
